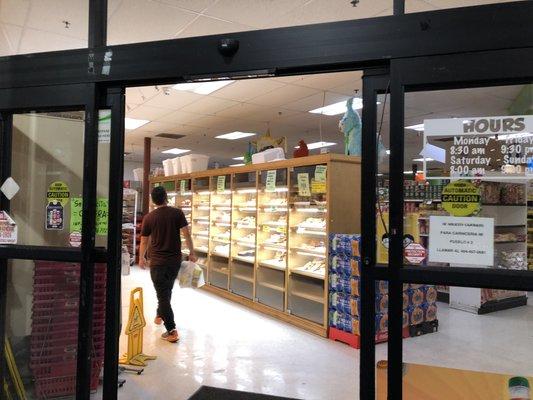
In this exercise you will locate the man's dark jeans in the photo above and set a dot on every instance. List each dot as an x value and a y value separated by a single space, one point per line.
163 278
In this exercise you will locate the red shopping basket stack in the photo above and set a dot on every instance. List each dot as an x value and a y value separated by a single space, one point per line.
54 336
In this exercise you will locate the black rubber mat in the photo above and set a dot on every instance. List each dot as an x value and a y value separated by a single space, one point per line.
211 393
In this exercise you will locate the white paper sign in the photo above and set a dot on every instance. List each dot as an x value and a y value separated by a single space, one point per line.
104 126
8 229
461 240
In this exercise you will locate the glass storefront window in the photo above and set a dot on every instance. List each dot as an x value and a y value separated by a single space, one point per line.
44 25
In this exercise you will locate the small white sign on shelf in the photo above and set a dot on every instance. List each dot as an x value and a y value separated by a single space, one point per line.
461 240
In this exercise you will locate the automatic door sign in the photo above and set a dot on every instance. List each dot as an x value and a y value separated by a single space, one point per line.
461 199
58 192
415 253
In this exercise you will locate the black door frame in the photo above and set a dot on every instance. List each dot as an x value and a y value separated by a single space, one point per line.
84 97
456 71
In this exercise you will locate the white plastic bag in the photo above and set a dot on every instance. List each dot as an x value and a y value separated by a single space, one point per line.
190 275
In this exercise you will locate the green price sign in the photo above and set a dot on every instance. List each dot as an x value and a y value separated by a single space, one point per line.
221 183
102 215
76 207
271 181
320 173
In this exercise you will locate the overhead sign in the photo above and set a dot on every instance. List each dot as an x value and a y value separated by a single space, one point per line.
461 198
487 146
461 240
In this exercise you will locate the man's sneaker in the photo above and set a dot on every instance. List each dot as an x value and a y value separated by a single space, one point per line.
158 320
171 336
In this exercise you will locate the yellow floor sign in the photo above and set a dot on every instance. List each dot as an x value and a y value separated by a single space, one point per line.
134 331
16 381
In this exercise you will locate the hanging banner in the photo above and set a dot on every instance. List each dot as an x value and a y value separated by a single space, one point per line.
221 183
462 240
76 206
461 198
270 185
320 173
8 229
303 185
104 126
58 192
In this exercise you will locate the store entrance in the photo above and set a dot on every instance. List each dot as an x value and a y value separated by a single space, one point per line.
259 169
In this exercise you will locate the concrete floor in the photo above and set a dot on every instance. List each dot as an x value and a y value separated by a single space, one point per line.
226 345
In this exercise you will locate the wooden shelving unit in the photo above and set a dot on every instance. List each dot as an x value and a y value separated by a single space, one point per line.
275 235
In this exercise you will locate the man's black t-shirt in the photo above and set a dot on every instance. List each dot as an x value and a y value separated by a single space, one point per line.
163 226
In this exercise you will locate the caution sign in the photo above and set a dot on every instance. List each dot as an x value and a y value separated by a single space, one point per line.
134 331
58 192
461 199
415 253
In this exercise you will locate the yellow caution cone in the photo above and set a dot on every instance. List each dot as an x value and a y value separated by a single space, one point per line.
134 330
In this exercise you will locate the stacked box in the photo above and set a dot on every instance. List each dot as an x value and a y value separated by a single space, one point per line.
344 286
54 338
419 304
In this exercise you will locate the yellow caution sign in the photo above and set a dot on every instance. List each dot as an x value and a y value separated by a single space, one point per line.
134 330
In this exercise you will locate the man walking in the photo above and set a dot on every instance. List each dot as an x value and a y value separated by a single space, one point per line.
163 226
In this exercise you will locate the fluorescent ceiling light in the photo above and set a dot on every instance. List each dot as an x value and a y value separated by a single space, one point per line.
132 123
387 151
237 165
175 150
238 158
338 108
417 127
318 145
202 87
235 135
407 172
421 159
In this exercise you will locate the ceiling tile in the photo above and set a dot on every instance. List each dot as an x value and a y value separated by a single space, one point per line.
256 13
315 101
193 5
209 105
283 95
174 100
317 11
151 21
245 90
254 112
204 25
14 11
9 39
147 112
51 15
35 41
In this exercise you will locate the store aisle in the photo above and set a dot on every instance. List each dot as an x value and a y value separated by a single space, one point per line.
225 345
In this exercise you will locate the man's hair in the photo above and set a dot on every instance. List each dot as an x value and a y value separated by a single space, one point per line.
159 195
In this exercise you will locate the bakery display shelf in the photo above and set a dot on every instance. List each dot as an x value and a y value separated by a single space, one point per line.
201 249
223 241
269 281
308 296
222 224
272 265
311 274
249 260
310 227
272 286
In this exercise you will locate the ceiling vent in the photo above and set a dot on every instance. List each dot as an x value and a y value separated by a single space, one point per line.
169 135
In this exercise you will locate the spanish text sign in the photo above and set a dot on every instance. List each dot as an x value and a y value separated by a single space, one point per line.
461 240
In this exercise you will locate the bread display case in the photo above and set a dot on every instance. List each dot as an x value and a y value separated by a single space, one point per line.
260 231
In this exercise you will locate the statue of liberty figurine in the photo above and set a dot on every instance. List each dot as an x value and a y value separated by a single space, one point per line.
350 126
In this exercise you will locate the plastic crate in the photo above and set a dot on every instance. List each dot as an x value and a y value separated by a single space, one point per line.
48 388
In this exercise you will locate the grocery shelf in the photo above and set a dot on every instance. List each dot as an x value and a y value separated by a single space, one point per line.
249 260
308 273
272 286
308 296
267 264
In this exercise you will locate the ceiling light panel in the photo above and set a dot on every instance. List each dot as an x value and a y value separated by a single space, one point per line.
132 123
235 135
175 150
338 108
318 145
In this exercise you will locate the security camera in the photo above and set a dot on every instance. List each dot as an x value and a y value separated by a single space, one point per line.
228 47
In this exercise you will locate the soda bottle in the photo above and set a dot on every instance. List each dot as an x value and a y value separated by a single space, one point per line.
519 388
